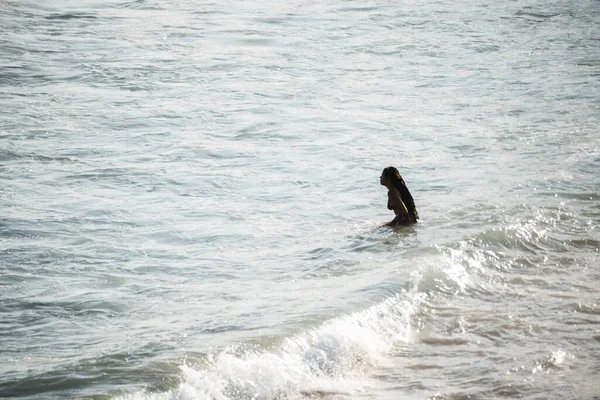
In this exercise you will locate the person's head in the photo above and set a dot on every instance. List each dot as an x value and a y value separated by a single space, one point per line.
390 177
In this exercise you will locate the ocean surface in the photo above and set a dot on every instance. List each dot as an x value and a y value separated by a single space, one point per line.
190 204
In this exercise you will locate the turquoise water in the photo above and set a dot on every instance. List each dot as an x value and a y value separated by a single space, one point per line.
191 205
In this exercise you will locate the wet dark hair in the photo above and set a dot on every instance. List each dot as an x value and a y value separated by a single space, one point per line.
396 179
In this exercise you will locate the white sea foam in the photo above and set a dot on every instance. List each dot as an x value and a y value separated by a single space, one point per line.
447 273
337 357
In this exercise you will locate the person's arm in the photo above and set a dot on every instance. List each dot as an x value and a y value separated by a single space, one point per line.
399 208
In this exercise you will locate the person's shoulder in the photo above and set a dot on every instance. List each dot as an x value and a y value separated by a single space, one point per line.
395 192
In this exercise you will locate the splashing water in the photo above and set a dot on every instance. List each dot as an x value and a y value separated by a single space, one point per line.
334 358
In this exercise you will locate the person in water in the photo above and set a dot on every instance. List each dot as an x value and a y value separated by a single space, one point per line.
399 198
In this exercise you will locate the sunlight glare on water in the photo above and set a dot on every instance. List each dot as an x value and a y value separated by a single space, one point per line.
192 209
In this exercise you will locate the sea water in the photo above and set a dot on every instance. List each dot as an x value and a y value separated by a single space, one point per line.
191 208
